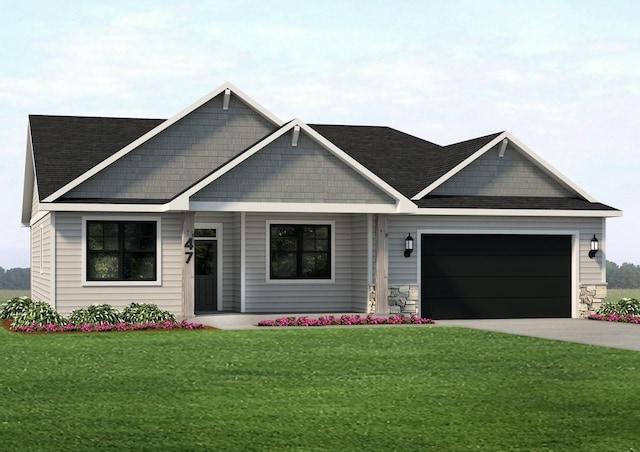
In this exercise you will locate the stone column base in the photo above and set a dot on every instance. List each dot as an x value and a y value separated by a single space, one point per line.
592 296
403 300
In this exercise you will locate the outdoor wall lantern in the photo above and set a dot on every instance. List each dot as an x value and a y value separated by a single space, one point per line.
408 246
594 247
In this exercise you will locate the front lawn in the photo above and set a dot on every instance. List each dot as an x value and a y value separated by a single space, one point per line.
373 388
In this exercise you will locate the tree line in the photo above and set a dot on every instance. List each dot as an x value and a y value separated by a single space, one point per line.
625 276
15 278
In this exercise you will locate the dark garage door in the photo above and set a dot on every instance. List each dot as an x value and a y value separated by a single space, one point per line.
495 276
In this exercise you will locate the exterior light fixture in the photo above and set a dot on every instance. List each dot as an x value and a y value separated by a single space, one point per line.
408 246
594 247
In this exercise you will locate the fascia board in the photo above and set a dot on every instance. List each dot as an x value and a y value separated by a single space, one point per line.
94 207
522 213
166 124
442 179
547 167
29 181
294 207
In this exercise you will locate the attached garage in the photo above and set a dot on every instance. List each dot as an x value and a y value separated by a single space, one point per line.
491 276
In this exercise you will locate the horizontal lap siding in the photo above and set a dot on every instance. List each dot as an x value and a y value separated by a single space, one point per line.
41 255
297 296
230 255
72 295
405 271
359 286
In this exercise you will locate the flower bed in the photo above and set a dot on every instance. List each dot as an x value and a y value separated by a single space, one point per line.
330 320
98 328
628 318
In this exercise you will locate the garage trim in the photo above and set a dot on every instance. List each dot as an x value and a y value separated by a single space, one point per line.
575 247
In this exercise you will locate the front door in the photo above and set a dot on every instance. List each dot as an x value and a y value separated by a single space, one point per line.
206 276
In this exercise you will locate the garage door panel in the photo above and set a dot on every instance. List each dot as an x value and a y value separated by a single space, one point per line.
495 276
502 265
446 308
496 287
496 245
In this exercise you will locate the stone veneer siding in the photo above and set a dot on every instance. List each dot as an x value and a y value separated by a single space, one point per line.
403 300
592 296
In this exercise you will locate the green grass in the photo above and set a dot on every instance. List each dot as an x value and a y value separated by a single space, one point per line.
616 294
411 388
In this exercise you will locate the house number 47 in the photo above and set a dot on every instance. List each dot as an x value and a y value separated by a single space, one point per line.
189 247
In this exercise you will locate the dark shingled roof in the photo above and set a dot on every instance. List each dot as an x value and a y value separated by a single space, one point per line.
407 163
65 147
509 202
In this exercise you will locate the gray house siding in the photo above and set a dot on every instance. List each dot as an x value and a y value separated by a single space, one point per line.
41 253
302 296
283 173
404 271
359 262
180 155
511 175
70 292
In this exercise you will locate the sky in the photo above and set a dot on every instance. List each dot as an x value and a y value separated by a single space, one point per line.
562 76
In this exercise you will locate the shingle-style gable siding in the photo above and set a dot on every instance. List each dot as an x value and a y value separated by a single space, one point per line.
511 175
182 154
283 173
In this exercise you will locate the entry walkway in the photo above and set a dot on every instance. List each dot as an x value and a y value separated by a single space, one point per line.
604 334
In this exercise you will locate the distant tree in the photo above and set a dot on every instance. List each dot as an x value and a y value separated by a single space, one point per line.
15 278
625 276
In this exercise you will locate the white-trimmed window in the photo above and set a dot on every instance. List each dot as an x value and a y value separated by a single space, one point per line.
300 251
121 250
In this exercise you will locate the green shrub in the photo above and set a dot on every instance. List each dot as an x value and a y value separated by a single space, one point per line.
96 314
38 313
15 306
145 313
624 306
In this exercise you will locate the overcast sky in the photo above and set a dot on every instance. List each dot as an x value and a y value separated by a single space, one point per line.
562 76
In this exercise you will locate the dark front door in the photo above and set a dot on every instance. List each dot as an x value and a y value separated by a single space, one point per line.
206 276
495 276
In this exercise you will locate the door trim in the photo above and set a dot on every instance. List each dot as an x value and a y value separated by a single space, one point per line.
219 238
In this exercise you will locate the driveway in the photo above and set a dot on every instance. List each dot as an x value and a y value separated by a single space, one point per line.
593 332
604 334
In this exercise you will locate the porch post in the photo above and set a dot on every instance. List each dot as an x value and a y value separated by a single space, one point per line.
188 302
382 265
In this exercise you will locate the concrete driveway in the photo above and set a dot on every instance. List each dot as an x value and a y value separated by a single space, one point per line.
604 334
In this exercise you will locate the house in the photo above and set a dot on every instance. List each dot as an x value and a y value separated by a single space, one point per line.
225 208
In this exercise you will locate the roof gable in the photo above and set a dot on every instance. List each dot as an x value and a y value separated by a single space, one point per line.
502 171
226 89
170 161
302 173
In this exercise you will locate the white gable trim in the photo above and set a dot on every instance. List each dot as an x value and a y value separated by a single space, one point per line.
528 153
165 125
402 203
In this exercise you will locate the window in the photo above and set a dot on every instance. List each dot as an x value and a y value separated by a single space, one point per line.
121 251
300 251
